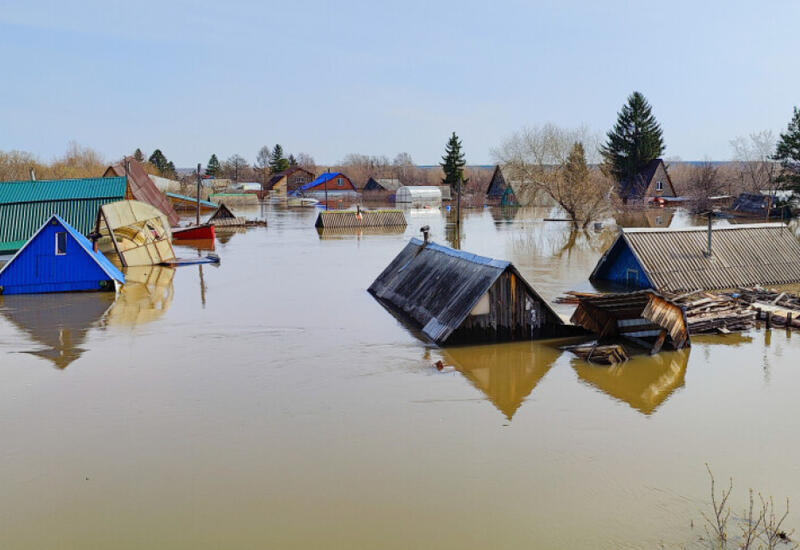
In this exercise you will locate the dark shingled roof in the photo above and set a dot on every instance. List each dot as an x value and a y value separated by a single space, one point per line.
436 287
637 186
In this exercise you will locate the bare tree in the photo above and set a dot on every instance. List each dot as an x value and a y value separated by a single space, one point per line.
235 167
262 163
306 161
704 183
754 157
537 157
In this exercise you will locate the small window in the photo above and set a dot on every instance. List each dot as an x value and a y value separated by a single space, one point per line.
339 182
61 243
659 186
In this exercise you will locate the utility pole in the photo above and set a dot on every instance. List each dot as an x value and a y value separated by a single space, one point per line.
198 193
458 211
326 189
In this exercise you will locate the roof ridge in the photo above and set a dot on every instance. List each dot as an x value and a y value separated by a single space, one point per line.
769 225
468 256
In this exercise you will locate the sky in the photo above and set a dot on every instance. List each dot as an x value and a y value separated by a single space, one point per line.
379 78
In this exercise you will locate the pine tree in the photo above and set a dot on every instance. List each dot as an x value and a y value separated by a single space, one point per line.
787 153
158 160
171 171
213 167
575 170
453 163
138 155
292 160
635 140
278 162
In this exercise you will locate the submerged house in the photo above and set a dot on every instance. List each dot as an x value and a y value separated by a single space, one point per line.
390 185
500 191
454 297
57 258
141 188
330 182
755 205
26 205
289 180
696 258
650 183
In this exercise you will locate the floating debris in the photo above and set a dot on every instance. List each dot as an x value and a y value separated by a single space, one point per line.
136 232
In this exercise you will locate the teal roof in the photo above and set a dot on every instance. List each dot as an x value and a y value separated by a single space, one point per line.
191 199
13 192
26 205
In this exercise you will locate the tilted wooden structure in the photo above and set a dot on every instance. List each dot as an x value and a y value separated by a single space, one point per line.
141 188
138 233
645 318
456 297
360 218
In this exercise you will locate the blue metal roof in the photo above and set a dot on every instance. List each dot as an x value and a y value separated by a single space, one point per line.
40 267
327 176
481 260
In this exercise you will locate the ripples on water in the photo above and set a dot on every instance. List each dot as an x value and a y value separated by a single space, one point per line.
270 402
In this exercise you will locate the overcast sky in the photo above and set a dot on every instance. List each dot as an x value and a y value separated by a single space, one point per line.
331 78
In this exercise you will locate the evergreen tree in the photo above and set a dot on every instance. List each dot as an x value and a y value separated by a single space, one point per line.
158 160
138 155
787 153
635 140
171 171
453 163
292 160
575 170
278 162
213 167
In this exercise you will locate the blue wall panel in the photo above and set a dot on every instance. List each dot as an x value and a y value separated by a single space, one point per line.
622 267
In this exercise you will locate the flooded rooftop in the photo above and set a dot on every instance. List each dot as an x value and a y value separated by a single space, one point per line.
271 402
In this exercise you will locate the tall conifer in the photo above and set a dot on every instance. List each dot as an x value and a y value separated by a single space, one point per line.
787 153
453 163
635 140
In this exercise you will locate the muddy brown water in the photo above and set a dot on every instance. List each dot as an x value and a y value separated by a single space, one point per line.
270 402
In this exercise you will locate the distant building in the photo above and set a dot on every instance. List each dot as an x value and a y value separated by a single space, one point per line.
57 258
26 205
419 195
755 205
677 260
454 297
330 182
499 191
383 184
289 180
650 183
141 187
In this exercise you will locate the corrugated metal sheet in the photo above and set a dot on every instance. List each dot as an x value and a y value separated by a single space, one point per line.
14 192
26 205
435 287
187 201
742 256
365 218
38 267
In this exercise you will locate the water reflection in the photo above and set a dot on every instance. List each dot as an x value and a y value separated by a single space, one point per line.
644 382
505 373
347 233
649 217
145 296
59 322
225 234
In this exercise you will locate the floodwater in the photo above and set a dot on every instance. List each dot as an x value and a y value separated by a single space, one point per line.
270 402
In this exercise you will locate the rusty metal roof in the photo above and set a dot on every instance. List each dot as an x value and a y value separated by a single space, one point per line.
744 255
143 189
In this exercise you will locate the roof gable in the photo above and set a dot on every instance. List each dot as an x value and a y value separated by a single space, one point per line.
16 274
637 186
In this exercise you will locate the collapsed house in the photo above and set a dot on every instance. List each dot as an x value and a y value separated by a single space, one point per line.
755 205
697 258
454 297
643 318
137 233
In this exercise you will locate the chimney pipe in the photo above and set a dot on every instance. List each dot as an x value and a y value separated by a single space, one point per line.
425 231
710 215
33 174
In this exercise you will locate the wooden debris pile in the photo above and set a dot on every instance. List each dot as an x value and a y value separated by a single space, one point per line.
715 312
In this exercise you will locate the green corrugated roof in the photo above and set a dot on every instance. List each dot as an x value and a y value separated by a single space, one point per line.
26 205
13 192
